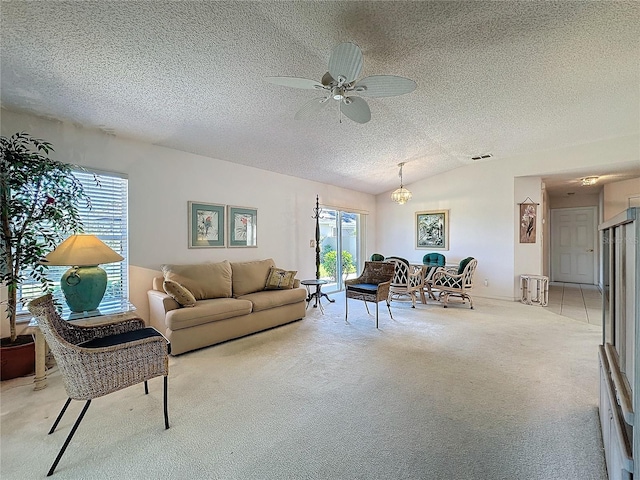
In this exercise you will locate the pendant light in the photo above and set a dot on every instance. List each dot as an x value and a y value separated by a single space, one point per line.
401 195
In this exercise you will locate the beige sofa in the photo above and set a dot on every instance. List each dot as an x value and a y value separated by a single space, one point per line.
229 301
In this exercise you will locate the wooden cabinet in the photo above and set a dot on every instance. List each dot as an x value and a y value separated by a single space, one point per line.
618 355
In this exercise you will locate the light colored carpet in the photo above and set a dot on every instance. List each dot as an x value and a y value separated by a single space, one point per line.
504 391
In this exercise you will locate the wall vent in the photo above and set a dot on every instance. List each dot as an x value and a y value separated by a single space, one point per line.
482 157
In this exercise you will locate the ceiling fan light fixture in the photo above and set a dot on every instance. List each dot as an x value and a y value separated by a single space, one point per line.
588 181
401 195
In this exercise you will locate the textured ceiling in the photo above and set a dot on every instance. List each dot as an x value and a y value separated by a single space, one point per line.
493 77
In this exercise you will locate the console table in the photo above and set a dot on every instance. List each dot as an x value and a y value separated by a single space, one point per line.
109 310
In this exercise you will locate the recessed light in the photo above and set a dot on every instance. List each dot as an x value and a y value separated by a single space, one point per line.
588 181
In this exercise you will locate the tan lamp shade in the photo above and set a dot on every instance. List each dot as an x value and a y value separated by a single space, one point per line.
82 251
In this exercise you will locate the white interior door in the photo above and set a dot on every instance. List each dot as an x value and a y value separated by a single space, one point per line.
573 234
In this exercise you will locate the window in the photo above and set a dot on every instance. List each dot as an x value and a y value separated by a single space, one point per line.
107 220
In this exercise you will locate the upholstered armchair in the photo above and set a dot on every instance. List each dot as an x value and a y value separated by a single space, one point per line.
455 283
408 280
101 359
371 286
431 263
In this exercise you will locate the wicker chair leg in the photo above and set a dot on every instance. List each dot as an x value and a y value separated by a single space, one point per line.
376 314
64 409
346 307
367 307
66 442
389 308
146 388
166 410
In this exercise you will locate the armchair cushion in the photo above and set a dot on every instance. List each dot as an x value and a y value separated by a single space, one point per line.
180 294
121 338
463 264
364 287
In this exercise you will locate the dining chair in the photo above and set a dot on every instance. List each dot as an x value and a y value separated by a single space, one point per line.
408 280
431 262
455 283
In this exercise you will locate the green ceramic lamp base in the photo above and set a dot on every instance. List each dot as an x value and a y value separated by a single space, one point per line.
84 287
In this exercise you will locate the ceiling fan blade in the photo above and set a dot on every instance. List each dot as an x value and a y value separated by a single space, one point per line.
327 79
356 108
295 82
311 108
345 62
384 86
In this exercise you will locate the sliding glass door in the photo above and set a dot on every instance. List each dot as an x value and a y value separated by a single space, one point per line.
340 247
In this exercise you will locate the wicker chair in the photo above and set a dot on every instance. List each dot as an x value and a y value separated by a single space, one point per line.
408 280
98 360
455 283
431 263
371 286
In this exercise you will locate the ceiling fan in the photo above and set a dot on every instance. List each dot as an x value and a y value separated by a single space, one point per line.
339 83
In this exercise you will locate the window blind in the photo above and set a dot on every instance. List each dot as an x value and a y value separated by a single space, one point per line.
107 219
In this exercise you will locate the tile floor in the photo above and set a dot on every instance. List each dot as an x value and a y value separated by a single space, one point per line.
578 301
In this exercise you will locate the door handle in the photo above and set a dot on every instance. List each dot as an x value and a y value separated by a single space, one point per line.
590 250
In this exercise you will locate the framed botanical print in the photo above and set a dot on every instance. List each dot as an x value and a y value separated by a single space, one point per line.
432 229
243 226
528 212
206 225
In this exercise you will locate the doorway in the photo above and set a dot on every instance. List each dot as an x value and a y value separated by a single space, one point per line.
573 245
340 241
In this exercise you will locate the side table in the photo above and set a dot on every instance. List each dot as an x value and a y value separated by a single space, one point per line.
110 312
534 289
317 294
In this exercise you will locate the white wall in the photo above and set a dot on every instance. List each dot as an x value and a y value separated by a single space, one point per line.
162 181
616 196
482 200
573 201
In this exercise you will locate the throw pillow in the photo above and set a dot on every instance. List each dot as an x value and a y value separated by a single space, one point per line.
180 294
280 279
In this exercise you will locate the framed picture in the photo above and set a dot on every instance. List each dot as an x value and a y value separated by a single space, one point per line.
243 226
432 229
206 225
528 212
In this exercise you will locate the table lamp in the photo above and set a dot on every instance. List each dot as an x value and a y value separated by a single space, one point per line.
85 282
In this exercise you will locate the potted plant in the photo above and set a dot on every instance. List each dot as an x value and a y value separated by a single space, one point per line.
39 208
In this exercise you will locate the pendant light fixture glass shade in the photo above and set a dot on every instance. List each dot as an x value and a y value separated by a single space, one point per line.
401 195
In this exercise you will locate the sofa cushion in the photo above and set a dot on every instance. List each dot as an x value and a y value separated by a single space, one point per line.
207 311
249 277
203 280
180 294
280 279
267 299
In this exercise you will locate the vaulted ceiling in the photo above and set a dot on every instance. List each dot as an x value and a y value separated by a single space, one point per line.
503 78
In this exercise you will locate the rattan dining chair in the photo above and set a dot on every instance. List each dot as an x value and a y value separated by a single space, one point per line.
100 359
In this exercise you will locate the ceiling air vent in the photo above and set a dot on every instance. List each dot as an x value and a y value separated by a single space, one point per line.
482 157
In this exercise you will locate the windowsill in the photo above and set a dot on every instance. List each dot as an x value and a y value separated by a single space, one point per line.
22 318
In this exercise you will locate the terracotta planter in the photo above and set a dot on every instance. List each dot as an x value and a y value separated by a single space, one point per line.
19 359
